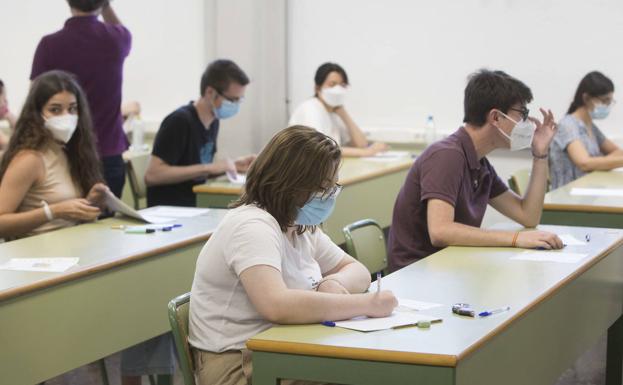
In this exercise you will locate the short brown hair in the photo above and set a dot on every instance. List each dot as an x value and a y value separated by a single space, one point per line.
220 74
487 90
295 164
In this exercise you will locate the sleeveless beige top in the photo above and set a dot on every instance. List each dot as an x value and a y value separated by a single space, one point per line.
56 186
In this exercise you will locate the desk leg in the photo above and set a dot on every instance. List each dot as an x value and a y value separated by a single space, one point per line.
614 361
165 379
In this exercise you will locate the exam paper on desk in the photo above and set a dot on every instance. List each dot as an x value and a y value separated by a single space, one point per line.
53 265
396 319
157 214
549 256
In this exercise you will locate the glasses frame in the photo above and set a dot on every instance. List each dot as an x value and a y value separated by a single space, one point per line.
525 113
330 193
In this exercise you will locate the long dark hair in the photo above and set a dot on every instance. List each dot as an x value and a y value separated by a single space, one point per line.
294 165
30 133
594 84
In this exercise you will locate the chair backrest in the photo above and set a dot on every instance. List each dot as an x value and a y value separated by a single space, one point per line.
178 318
518 182
137 165
366 243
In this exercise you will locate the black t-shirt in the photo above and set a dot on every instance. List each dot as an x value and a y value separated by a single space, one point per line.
182 140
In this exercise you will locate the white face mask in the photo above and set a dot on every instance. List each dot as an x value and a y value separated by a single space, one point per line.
521 136
334 96
62 126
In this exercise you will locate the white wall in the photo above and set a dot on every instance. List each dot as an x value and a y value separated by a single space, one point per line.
173 41
410 58
162 71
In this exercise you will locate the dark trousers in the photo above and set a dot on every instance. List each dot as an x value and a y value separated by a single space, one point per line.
114 173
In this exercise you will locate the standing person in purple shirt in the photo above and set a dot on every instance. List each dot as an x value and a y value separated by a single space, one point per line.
448 188
94 52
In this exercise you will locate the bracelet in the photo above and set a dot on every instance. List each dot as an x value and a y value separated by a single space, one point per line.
514 243
535 156
47 210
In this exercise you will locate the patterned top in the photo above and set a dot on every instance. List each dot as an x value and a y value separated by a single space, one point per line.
562 170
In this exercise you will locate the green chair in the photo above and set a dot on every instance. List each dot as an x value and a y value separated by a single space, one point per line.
178 318
137 165
366 243
518 182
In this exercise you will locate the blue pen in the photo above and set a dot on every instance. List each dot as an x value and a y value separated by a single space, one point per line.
328 323
487 313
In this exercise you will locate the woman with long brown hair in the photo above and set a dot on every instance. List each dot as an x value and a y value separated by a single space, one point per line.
269 262
50 174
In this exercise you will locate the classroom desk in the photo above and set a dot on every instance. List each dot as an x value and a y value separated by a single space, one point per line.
116 297
558 310
562 208
370 189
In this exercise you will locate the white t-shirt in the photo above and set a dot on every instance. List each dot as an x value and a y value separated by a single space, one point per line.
222 316
313 114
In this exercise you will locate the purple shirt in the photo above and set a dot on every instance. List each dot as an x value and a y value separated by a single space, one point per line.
448 170
94 52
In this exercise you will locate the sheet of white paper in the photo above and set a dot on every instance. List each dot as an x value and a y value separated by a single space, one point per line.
173 211
237 178
393 154
599 192
619 169
158 214
365 324
549 256
55 265
386 156
115 204
570 240
411 304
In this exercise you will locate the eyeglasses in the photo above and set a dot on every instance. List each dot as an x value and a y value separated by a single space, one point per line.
231 100
330 193
523 111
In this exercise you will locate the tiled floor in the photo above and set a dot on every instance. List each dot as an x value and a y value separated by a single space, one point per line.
90 374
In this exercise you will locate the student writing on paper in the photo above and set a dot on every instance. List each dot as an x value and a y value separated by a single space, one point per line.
269 261
185 146
94 51
579 145
50 173
326 113
448 188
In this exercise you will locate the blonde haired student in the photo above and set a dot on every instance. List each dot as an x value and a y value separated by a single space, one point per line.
268 262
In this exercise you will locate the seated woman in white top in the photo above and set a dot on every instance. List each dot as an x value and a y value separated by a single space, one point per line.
579 146
326 113
50 174
269 262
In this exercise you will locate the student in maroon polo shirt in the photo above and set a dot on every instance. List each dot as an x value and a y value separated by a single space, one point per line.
448 188
94 52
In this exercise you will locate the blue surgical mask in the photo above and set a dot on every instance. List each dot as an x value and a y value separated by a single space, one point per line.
600 111
226 110
315 212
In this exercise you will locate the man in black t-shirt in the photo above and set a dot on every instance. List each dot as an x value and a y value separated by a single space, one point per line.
184 148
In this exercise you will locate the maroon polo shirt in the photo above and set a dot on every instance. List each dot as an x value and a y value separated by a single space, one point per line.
94 52
448 170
